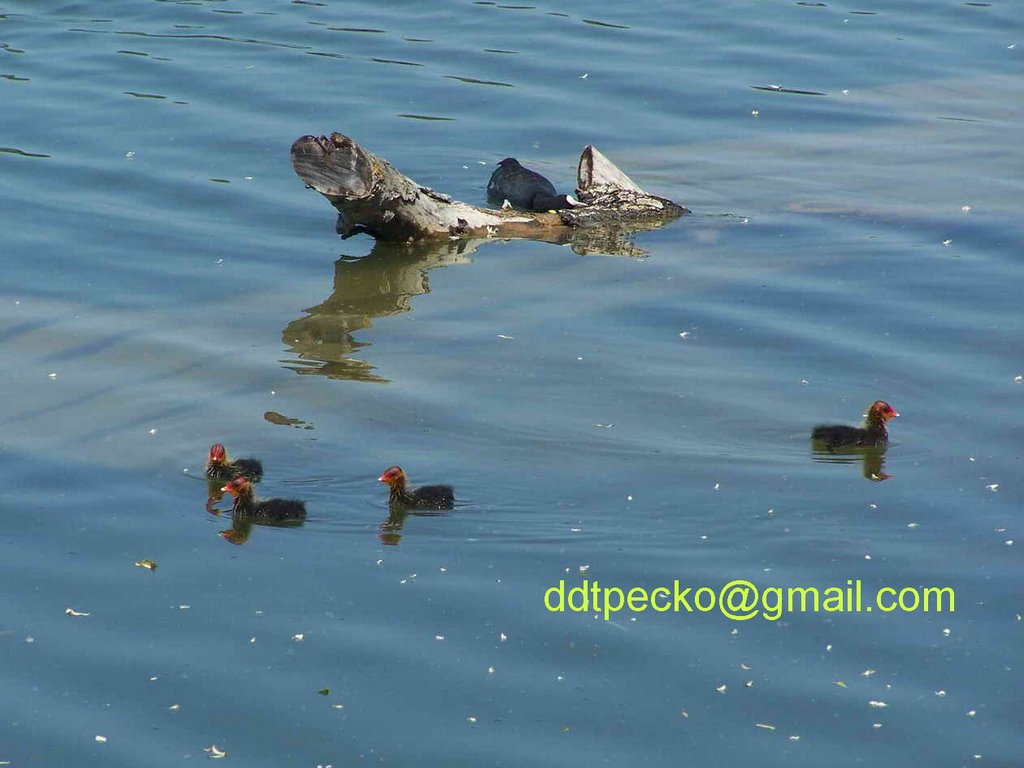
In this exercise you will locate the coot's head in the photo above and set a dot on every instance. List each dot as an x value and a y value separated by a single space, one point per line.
392 475
882 410
509 162
239 485
217 453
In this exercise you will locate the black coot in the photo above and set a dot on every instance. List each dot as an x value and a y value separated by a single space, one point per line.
425 497
525 189
872 433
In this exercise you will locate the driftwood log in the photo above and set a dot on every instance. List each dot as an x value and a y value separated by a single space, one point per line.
373 197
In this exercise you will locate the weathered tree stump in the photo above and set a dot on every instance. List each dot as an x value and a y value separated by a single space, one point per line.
373 197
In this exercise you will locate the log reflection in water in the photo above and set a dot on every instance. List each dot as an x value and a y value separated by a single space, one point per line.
377 285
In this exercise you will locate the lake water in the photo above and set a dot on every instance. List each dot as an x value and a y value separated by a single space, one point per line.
856 179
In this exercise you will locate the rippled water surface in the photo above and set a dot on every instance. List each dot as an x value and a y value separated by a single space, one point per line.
856 179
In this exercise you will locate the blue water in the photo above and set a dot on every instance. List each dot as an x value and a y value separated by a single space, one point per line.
169 283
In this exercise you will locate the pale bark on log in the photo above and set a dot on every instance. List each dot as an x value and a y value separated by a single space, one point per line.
372 196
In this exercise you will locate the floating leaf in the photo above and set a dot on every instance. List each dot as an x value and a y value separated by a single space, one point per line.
148 564
840 684
215 751
766 726
324 691
73 612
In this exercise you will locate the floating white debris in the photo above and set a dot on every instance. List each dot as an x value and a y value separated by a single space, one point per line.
1008 542
946 632
971 712
794 738
873 506
748 684
684 335
722 688
804 381
755 113
867 557
174 708
101 739
867 673
439 637
766 726
684 714
130 154
940 694
337 706
53 375
965 208
73 612
845 91
252 640
717 486
471 719
184 607
993 487
584 76
503 637
503 336
629 498
877 704
584 568
380 562
298 637
745 667
1018 379
947 243
152 431
604 426
215 752
828 648
490 670
913 525
876 725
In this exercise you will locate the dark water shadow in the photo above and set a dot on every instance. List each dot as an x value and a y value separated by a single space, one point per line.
871 459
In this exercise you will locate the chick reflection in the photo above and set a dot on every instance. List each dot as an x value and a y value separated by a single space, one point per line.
379 284
427 500
247 510
391 529
871 459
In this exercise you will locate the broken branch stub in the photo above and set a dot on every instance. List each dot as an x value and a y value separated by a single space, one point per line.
371 196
